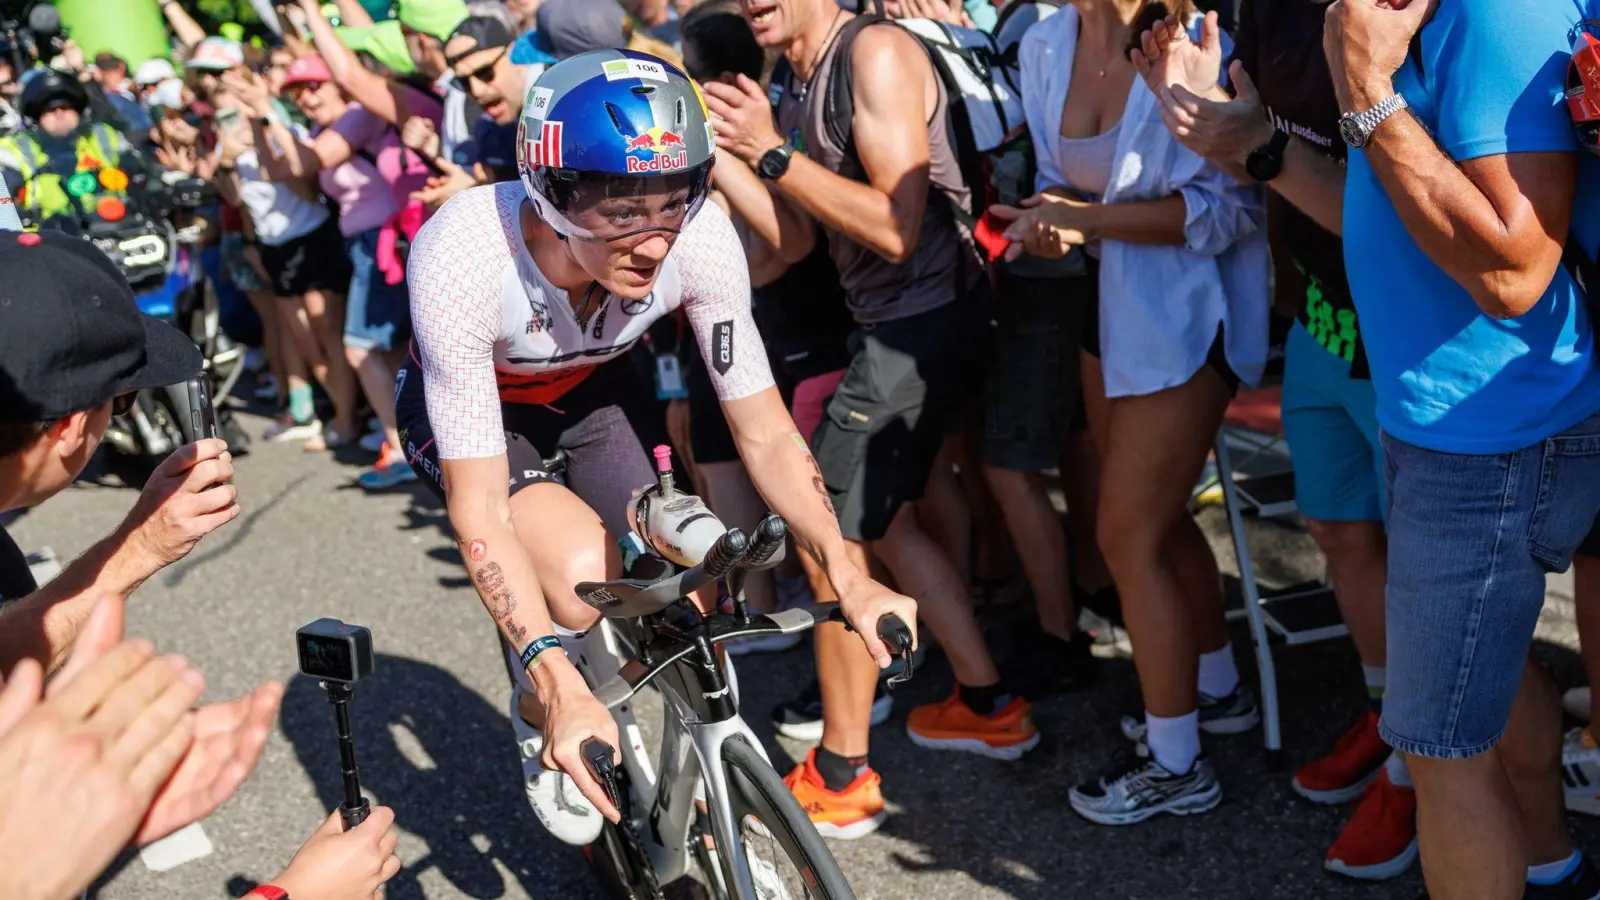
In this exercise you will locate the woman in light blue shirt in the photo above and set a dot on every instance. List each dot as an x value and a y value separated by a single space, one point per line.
1183 308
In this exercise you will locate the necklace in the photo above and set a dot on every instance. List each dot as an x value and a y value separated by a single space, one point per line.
816 59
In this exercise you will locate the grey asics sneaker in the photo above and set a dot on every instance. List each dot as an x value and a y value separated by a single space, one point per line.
1233 714
1140 788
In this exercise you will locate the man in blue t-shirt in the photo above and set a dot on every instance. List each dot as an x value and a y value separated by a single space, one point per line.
1484 364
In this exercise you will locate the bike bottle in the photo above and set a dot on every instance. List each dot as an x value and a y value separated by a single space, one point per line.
675 525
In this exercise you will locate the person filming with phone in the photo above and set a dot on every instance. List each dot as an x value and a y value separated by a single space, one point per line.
74 347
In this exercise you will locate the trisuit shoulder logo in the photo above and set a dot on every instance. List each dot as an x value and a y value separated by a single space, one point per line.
657 150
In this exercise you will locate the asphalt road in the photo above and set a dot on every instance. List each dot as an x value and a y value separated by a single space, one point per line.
434 741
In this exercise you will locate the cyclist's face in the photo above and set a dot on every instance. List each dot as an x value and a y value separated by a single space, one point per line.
628 267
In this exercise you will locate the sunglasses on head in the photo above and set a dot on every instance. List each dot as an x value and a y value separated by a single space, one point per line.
484 75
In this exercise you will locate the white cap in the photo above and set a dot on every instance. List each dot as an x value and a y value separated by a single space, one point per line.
216 54
153 71
168 93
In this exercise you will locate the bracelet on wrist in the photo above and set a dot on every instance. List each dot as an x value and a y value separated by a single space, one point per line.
532 655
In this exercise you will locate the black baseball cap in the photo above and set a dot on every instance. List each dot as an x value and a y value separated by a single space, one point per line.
486 33
71 334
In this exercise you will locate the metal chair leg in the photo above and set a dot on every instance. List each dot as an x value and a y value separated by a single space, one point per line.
1252 601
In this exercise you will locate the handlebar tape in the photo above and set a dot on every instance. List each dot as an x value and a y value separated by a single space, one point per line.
725 553
770 534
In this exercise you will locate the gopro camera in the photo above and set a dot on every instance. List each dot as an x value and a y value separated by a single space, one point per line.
332 651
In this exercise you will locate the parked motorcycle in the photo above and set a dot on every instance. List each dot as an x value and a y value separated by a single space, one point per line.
154 238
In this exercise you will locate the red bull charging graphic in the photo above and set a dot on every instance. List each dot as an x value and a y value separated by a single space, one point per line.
657 150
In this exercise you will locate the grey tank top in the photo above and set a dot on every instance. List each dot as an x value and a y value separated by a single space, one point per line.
943 266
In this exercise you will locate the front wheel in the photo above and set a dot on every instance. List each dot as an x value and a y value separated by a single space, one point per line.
788 860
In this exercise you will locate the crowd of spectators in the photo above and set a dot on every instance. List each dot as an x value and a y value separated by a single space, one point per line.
1389 195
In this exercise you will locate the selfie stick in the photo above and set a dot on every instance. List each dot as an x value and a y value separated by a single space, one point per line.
355 808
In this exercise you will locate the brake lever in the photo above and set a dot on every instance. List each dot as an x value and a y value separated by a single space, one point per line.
897 636
597 756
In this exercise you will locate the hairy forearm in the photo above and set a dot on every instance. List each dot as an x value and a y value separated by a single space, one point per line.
1140 221
1312 181
776 222
43 625
1455 223
859 211
787 477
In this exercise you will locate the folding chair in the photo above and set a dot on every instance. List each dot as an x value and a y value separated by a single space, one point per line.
1253 471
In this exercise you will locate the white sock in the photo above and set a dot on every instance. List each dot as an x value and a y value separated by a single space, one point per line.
1552 872
1174 742
1395 765
1375 676
1218 675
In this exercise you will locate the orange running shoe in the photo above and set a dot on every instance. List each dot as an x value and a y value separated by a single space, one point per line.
852 813
1342 775
1380 840
952 725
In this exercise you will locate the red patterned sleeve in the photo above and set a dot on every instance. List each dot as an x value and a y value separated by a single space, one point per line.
454 272
716 295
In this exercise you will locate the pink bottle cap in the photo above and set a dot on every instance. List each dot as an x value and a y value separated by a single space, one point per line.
663 455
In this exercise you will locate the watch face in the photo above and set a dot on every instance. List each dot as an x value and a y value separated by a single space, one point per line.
1352 132
1263 165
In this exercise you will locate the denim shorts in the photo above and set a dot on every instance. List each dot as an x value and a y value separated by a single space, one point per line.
1331 421
377 314
1471 538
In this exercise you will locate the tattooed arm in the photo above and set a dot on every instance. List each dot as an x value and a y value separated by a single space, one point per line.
784 472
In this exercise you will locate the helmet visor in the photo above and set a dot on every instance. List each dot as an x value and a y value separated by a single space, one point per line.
609 207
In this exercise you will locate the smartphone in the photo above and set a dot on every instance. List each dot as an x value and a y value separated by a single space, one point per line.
202 413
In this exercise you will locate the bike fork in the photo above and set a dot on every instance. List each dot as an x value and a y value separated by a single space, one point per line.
708 741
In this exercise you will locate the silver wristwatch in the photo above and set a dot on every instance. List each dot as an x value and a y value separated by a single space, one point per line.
1357 128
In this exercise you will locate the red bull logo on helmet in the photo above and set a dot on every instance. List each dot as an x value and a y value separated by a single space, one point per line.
658 150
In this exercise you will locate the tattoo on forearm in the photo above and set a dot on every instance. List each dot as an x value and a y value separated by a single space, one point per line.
496 593
516 633
474 549
816 475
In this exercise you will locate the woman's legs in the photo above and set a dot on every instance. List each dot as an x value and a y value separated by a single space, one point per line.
1157 446
266 307
325 318
377 375
943 509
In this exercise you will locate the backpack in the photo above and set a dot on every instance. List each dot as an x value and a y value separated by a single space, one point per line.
983 99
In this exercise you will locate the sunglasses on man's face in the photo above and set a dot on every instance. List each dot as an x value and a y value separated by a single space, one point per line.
484 75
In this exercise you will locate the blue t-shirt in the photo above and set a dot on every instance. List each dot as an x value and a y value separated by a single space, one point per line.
1449 377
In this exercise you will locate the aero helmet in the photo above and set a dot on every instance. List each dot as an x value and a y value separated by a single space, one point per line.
609 126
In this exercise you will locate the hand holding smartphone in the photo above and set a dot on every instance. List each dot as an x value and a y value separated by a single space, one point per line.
202 412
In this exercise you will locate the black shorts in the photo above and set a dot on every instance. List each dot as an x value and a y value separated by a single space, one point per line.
607 426
1591 543
709 435
312 262
908 384
1035 386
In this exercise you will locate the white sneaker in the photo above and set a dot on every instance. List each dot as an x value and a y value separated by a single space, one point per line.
1580 772
287 429
557 802
1576 703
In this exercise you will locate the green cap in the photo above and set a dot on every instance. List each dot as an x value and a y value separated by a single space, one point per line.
433 17
384 41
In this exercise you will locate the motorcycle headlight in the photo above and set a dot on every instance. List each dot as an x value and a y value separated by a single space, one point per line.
141 251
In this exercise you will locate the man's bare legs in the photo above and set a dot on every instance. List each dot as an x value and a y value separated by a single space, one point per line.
944 512
1511 796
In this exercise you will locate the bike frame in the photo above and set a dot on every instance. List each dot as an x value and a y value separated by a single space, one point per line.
700 715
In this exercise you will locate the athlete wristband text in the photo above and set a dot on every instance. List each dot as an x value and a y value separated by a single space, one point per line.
530 655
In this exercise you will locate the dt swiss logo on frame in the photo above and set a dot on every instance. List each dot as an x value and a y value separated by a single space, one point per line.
545 150
658 150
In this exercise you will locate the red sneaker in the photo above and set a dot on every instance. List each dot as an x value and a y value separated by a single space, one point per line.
1342 775
1380 840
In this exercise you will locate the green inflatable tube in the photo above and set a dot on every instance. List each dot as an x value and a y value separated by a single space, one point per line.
132 29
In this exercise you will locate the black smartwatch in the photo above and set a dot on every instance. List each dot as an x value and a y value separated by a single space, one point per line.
774 163
1266 162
